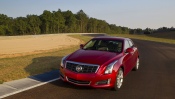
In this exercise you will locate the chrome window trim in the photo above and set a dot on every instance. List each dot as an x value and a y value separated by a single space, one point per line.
79 63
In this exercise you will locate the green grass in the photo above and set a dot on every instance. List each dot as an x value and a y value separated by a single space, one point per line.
146 37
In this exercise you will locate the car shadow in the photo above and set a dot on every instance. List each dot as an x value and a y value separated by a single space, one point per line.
44 68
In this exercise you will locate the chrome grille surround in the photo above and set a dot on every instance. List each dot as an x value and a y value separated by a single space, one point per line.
86 68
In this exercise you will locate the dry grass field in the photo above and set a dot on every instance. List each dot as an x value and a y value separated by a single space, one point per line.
11 46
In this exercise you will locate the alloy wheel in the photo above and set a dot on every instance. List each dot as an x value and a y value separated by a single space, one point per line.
119 79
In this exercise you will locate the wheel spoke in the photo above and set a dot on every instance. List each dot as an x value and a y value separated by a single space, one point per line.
119 79
137 63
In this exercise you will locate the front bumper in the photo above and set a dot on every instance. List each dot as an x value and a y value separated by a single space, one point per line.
95 80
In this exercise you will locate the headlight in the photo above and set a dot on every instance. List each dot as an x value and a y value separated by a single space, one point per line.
62 60
109 68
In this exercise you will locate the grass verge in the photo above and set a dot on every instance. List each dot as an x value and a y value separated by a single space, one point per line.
24 66
146 37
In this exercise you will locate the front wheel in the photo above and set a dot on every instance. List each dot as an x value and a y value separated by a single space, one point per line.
119 80
137 65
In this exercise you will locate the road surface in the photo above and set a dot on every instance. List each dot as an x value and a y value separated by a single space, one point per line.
155 79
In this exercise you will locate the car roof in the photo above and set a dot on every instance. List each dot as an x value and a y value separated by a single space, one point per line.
111 38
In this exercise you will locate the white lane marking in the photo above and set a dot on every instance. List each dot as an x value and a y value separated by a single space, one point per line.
21 90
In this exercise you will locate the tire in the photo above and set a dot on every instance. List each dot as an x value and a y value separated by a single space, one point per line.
119 80
137 65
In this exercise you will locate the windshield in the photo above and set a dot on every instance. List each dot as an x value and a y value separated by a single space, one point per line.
104 45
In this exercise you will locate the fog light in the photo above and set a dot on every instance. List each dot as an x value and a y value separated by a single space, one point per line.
103 82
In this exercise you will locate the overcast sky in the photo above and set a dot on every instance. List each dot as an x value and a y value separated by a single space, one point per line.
128 13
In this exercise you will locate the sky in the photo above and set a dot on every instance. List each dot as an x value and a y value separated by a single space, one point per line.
128 13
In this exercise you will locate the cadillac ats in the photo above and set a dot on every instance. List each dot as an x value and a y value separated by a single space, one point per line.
102 62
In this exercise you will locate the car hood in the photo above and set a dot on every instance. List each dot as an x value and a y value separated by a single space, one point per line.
92 56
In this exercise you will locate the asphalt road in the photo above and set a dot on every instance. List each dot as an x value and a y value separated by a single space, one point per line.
155 79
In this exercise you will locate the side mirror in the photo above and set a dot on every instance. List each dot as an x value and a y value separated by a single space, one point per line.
81 46
129 50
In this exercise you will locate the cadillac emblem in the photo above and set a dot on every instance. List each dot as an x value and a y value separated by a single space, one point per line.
78 68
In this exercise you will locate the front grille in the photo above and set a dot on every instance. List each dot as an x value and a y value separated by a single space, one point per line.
78 81
85 68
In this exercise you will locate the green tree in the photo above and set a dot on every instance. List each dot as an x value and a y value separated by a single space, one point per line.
83 20
125 30
92 25
102 26
46 19
114 28
59 21
70 22
6 25
2 30
21 25
34 24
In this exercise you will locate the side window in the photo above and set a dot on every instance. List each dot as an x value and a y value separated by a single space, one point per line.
126 44
90 44
131 43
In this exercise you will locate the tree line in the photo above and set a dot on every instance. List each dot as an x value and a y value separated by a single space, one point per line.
56 22
151 31
64 22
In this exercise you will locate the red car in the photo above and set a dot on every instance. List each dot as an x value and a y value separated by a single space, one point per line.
101 63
